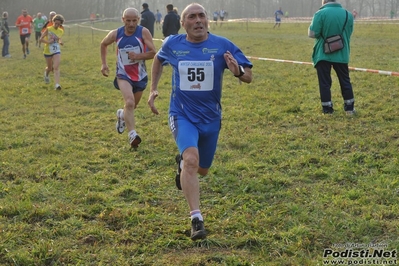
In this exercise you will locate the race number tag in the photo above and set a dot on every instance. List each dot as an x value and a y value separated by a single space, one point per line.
39 25
25 30
196 75
55 48
125 56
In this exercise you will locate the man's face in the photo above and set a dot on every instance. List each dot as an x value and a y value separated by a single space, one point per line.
24 13
195 22
131 20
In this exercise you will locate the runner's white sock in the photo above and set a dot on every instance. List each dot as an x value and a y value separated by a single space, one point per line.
196 214
132 133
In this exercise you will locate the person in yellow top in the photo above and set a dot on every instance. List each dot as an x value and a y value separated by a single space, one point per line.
50 21
52 37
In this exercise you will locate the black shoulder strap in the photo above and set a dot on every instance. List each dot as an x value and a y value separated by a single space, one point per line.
346 20
343 28
45 25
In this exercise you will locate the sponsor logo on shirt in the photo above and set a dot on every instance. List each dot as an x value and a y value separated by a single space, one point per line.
209 50
181 53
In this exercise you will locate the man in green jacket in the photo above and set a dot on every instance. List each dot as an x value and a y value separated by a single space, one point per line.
332 19
38 24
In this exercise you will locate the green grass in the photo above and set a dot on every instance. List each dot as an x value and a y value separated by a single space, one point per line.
286 183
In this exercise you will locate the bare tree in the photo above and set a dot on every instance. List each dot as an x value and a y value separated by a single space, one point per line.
81 9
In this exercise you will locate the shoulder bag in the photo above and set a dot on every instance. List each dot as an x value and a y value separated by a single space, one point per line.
335 42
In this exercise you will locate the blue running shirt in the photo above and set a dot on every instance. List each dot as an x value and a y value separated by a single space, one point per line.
197 75
134 70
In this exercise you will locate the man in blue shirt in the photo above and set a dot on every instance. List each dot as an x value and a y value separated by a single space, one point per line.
158 19
278 14
134 45
198 59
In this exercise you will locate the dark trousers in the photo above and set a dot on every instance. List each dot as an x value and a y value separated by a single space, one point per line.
6 44
324 75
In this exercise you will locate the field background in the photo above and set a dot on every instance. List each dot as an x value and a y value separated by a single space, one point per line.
287 182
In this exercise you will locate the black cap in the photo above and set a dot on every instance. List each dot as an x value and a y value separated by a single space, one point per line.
145 5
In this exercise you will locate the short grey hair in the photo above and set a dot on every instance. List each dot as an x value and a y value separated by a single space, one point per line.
184 12
131 10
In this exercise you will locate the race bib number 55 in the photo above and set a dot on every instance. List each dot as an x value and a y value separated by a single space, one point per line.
196 75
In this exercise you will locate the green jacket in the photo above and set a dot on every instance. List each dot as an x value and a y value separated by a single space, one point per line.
327 21
4 26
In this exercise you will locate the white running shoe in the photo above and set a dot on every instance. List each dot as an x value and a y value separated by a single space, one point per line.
57 87
120 123
46 78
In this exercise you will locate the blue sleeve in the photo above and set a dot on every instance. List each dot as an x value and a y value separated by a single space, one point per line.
240 57
164 52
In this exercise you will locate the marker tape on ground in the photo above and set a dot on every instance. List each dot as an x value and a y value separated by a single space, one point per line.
381 72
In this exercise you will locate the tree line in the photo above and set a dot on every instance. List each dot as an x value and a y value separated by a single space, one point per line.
81 9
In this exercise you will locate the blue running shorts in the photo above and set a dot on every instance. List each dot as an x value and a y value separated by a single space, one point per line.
136 85
202 136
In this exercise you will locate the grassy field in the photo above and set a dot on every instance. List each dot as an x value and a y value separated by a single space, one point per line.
287 182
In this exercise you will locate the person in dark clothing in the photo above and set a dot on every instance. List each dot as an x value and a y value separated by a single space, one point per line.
329 20
147 19
171 23
177 12
5 35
